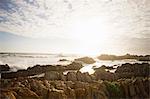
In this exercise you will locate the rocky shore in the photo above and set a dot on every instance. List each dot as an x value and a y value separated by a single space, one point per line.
130 81
127 56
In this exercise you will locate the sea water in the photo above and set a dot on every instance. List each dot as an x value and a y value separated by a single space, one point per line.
24 60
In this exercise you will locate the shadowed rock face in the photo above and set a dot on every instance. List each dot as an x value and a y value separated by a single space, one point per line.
78 76
4 68
133 70
101 74
86 60
46 89
38 69
77 85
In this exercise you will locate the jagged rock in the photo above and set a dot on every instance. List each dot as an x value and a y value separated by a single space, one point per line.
133 70
70 93
56 94
52 75
80 76
25 93
60 85
141 87
4 68
132 90
70 84
39 88
84 77
74 66
71 76
87 77
63 60
7 94
86 60
39 69
101 74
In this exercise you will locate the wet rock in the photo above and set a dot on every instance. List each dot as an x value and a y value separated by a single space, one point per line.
71 76
86 60
63 60
39 69
4 68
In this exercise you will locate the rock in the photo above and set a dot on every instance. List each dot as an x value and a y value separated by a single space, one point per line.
132 90
74 66
25 93
87 77
31 71
70 84
39 69
70 93
144 58
133 70
7 94
86 60
80 93
124 89
63 60
114 57
39 88
52 75
80 76
101 74
60 85
83 77
4 68
71 76
142 89
56 94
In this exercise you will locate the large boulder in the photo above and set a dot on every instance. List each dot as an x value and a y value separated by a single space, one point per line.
71 76
53 75
87 60
74 66
31 71
4 68
102 74
83 77
133 70
39 88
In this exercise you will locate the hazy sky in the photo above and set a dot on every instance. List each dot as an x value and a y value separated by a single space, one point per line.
75 26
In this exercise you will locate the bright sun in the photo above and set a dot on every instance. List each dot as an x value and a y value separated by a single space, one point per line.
92 35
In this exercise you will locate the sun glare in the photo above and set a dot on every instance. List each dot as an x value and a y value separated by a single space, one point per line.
92 35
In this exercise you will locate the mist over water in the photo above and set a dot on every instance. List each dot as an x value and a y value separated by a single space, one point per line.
24 60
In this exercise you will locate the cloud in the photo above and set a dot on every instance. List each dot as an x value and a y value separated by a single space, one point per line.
43 18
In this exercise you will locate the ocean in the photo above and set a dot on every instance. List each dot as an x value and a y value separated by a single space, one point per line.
24 60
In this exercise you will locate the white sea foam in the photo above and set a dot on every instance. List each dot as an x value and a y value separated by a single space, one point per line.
23 61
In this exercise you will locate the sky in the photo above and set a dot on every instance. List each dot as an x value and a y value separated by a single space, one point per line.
75 26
